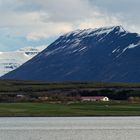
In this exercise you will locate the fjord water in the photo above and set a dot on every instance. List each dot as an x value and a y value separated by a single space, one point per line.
70 128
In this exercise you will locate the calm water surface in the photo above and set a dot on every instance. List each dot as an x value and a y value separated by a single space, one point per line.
75 128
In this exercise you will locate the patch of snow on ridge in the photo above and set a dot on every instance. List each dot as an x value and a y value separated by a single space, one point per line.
122 29
103 31
82 49
116 50
75 43
96 31
72 33
131 46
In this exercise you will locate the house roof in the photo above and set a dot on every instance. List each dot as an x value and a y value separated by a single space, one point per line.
93 97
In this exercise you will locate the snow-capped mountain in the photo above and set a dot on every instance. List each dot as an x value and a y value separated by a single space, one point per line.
104 54
12 60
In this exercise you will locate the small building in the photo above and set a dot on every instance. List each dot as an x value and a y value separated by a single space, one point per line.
94 98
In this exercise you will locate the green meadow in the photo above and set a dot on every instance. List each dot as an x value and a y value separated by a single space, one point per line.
115 108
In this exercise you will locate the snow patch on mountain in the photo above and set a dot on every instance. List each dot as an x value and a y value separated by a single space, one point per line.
12 60
70 42
131 46
96 31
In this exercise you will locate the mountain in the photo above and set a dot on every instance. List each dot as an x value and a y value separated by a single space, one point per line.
12 60
109 54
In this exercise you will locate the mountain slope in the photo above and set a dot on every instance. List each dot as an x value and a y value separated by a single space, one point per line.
12 60
105 54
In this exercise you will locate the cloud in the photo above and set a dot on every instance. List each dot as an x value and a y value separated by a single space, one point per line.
51 30
67 10
39 20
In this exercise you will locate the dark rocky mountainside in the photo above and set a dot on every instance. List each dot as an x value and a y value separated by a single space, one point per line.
109 54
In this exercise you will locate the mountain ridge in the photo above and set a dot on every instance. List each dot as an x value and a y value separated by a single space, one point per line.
109 54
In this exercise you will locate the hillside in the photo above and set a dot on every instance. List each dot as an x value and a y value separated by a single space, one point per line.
109 54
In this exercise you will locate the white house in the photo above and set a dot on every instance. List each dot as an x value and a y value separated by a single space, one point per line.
94 98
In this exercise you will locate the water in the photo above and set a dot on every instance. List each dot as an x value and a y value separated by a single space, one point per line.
75 128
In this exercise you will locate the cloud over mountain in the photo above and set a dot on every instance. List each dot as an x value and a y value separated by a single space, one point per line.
36 21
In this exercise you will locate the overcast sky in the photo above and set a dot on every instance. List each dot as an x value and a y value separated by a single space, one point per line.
39 22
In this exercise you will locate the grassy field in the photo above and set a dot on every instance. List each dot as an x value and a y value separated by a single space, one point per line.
75 109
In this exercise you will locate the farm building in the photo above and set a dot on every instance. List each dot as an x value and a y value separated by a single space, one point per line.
94 98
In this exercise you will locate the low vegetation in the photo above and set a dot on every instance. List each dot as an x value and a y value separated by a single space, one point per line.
29 98
30 91
74 109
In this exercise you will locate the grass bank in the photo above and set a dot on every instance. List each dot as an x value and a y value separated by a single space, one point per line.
115 108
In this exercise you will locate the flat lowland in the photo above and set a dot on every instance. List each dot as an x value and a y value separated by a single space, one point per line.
124 99
116 108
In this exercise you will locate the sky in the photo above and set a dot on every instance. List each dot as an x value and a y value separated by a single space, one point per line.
39 22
